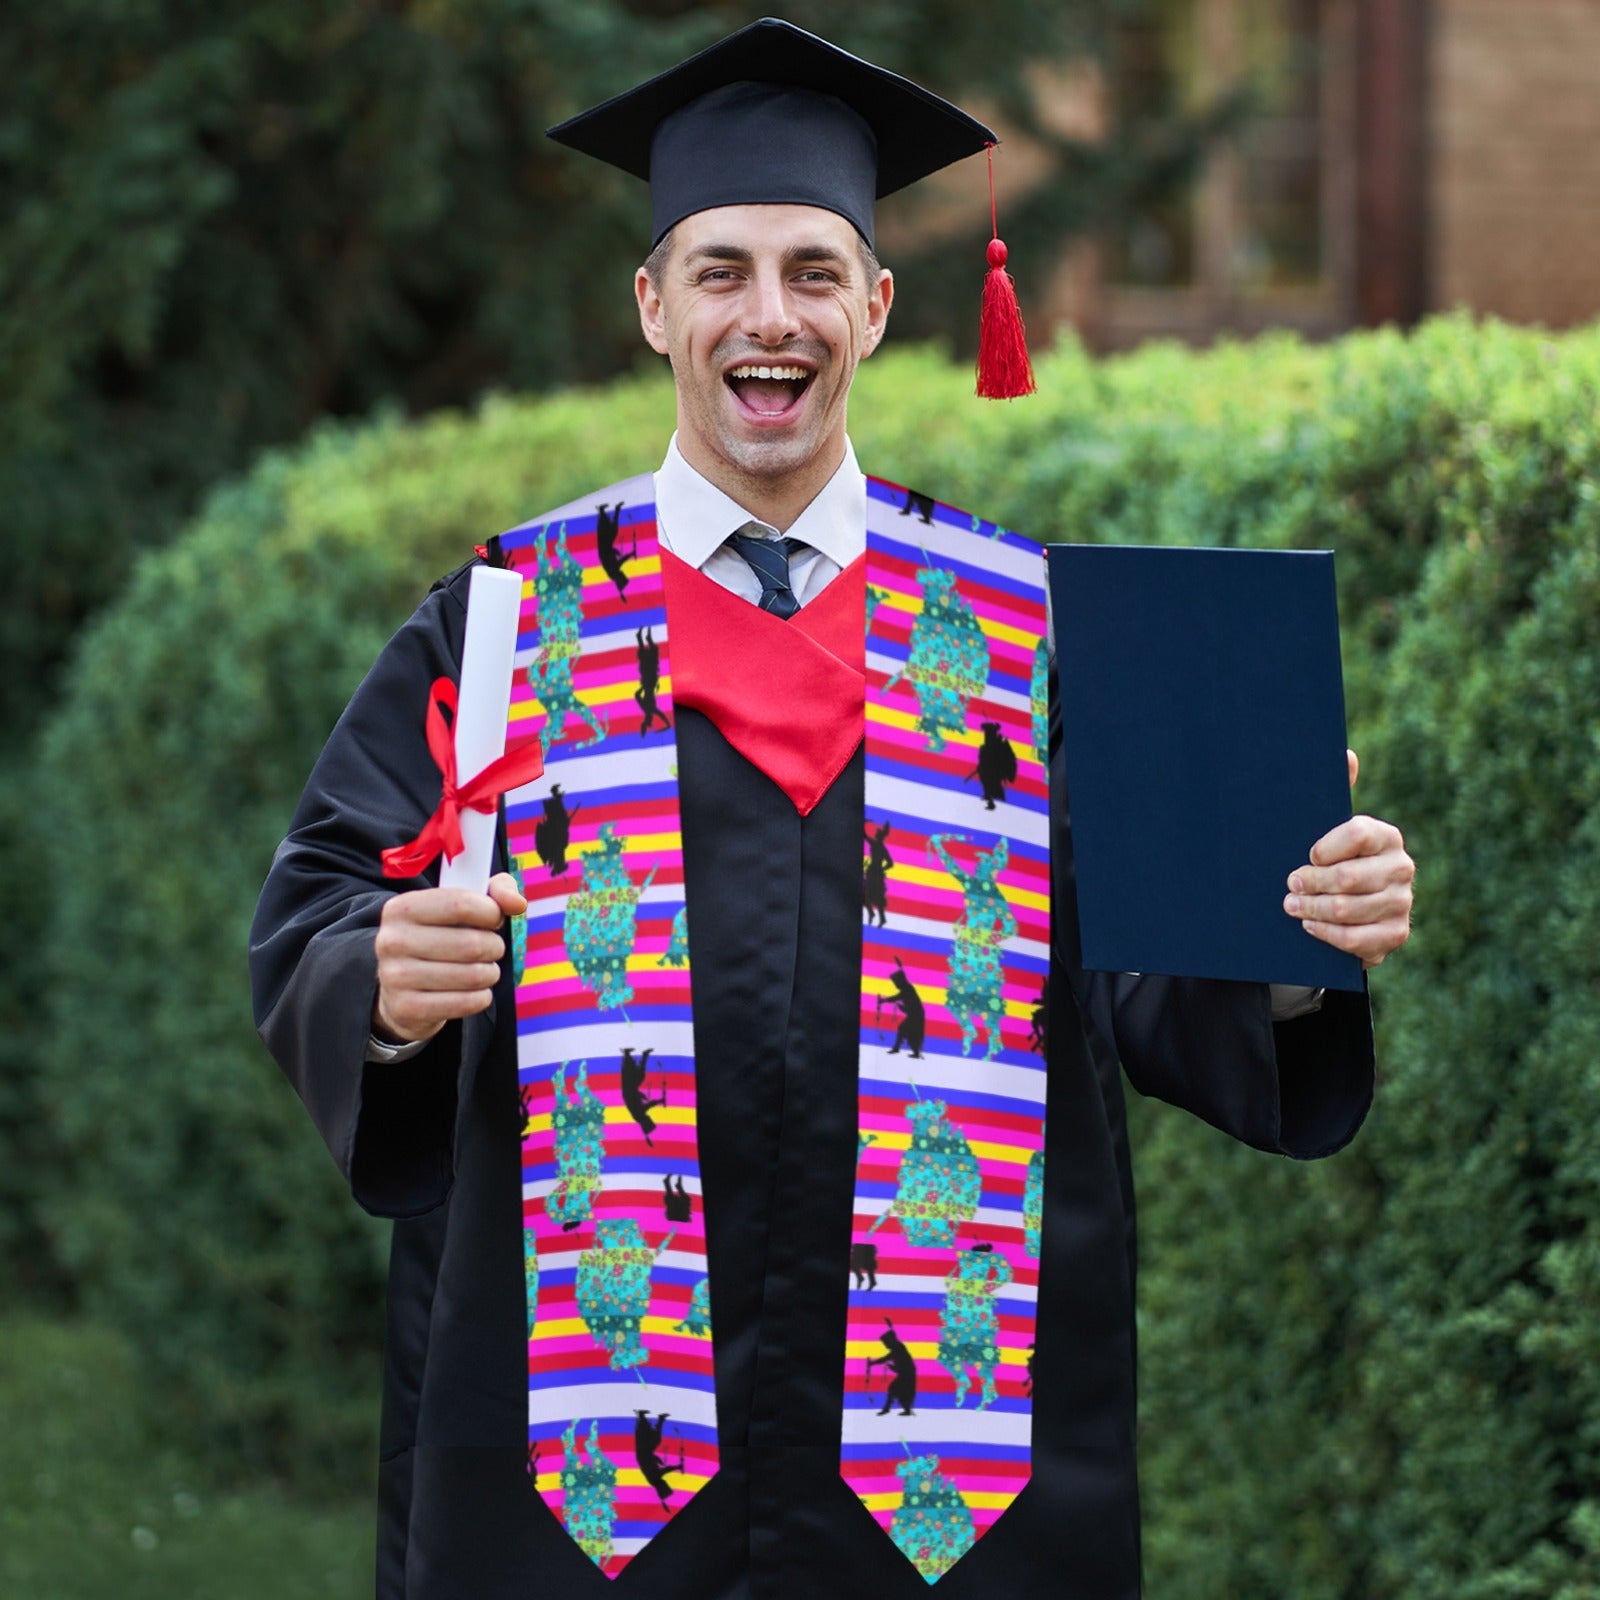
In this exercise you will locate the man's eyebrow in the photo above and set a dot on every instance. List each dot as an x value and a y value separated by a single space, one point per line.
817 254
795 255
720 252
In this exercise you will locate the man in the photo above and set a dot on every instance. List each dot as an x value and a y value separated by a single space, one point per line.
526 1294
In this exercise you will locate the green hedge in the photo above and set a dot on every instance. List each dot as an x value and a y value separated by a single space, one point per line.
1370 1378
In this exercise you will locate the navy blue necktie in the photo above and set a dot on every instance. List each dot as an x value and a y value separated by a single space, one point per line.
769 560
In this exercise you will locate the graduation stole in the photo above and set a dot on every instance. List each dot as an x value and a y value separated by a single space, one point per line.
936 1372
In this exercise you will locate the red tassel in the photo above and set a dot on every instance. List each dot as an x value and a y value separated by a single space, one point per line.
1004 370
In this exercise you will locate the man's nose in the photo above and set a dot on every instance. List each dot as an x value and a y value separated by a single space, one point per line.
772 318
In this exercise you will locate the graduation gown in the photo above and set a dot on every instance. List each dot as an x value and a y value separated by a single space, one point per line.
434 1143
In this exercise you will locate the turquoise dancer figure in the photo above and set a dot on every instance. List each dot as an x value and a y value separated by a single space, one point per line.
933 1527
677 951
614 1290
1039 702
578 1121
589 1494
530 1275
600 924
697 1320
949 660
969 1326
975 993
939 1183
558 588
519 931
1033 1202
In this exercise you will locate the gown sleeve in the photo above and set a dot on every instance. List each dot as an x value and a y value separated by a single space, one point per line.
1300 1088
313 965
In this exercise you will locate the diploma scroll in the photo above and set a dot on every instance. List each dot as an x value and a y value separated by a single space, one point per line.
494 605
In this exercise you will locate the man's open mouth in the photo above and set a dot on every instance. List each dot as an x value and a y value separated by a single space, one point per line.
769 390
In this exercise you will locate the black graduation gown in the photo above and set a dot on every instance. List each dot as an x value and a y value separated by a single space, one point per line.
434 1143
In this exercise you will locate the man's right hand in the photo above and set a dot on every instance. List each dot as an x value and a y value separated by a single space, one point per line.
439 953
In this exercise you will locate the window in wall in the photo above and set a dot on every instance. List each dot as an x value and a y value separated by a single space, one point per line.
1263 234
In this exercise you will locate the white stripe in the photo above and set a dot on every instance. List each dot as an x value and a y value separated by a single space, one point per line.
552 1259
602 766
949 1428
600 1041
632 492
958 544
1012 699
902 794
619 1399
930 929
957 1073
1019 1298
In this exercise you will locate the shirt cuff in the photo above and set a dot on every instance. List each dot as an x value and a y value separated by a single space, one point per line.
1291 1000
380 1051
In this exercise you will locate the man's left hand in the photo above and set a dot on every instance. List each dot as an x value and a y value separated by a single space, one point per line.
1355 893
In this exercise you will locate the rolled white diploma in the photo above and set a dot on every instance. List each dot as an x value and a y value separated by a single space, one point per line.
494 605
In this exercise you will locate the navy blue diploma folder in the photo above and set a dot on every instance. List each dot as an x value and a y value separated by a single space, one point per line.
1202 714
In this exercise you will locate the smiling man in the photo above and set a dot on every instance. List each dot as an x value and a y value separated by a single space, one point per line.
700 1282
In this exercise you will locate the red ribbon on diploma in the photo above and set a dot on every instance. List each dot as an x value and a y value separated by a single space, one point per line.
442 831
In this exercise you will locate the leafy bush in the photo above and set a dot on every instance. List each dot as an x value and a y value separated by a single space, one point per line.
1370 1378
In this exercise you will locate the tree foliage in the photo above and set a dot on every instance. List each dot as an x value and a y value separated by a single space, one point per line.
218 224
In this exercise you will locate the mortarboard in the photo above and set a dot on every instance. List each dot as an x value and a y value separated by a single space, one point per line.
774 115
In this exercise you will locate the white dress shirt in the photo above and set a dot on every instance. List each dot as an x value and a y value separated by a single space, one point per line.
694 518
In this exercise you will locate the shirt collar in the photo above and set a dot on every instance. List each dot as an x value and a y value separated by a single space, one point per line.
696 517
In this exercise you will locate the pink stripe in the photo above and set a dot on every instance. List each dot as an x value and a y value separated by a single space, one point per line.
987 1483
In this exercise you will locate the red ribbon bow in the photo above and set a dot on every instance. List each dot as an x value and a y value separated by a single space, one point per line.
442 831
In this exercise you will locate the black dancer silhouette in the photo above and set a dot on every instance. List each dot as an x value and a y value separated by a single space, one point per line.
605 532
997 765
875 881
649 681
903 1385
553 830
913 1027
1028 1387
634 1098
679 1202
1040 1031
864 1263
646 1448
919 504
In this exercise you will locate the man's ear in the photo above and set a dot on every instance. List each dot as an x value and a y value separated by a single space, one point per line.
652 315
878 303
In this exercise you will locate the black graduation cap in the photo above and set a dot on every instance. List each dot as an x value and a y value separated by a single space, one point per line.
774 115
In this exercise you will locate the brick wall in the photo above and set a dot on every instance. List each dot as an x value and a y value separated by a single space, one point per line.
1514 178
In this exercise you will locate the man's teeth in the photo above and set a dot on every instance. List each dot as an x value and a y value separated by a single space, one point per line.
796 374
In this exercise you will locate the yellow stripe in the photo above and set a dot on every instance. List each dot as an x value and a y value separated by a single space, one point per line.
561 971
978 1500
627 1477
1009 1154
911 605
673 1116
606 696
632 843
906 721
938 878
571 1327
857 1349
